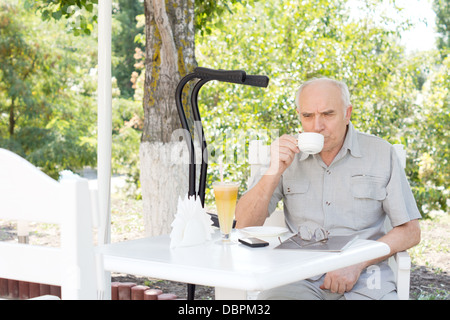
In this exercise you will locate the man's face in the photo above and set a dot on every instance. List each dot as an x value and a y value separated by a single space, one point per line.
322 111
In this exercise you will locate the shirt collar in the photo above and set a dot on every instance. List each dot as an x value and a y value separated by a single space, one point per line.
350 143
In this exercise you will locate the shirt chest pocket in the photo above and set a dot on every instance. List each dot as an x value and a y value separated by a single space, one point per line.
295 187
297 201
368 187
368 194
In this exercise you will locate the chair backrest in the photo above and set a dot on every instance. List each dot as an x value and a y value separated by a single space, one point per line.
27 194
258 156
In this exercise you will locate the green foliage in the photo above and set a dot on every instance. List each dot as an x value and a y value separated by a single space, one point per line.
429 141
48 76
47 108
127 129
208 13
124 31
79 14
442 10
47 89
291 41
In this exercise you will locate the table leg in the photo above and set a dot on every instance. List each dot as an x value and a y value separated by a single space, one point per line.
190 291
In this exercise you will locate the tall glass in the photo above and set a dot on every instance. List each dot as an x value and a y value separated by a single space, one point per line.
226 196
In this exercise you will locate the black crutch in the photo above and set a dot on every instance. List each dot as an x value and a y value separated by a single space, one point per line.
203 75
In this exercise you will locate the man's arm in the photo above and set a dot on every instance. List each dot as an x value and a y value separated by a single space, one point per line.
398 239
252 208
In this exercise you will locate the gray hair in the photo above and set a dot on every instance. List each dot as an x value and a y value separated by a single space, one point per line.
345 94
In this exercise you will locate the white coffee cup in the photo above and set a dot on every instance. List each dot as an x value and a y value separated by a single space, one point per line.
310 142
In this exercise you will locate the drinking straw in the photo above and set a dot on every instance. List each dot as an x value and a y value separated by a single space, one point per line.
221 168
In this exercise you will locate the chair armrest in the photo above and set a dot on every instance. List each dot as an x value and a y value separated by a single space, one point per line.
403 260
400 263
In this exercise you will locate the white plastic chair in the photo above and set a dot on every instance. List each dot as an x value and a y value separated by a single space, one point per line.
27 194
400 263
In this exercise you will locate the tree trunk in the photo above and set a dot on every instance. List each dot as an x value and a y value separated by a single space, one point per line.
169 56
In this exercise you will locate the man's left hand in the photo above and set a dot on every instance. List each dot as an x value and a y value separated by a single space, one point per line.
342 280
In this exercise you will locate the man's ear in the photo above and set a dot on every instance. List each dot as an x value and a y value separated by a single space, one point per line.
348 113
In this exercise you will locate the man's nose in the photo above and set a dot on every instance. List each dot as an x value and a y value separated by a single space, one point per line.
318 123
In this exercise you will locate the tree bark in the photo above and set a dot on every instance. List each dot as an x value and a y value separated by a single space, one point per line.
169 56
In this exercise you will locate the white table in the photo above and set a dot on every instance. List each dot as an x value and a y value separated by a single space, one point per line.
235 267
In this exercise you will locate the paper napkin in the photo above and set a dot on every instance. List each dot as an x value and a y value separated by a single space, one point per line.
192 225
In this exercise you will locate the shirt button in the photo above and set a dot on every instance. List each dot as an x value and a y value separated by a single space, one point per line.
328 203
328 172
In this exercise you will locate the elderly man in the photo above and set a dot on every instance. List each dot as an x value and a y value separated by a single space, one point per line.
348 188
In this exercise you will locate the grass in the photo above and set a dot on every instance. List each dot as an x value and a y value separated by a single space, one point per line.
435 240
432 253
437 294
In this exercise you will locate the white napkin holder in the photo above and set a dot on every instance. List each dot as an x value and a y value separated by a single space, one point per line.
192 225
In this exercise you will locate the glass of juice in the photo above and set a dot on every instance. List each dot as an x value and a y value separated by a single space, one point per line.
225 194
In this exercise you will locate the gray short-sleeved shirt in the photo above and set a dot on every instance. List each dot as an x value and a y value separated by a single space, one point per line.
364 183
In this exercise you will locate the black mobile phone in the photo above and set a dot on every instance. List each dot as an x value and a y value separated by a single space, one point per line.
254 242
